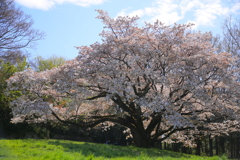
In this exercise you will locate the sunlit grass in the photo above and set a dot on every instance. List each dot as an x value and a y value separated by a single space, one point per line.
27 149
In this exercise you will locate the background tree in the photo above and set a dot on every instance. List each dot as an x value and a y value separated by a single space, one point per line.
231 43
16 31
156 81
6 71
231 36
16 34
228 41
42 64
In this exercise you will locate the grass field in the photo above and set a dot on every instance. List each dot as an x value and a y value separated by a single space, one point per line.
31 149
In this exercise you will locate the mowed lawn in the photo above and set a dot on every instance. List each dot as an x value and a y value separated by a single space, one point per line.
27 149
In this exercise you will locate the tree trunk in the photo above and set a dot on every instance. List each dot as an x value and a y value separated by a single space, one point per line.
238 147
160 145
190 150
184 149
141 139
198 148
216 145
206 148
210 146
2 131
165 146
231 143
222 144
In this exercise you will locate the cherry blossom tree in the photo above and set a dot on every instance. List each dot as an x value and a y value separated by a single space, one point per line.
155 80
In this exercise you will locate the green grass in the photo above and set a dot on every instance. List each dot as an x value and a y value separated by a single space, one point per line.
27 149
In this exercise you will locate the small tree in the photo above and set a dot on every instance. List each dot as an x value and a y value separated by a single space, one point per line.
156 81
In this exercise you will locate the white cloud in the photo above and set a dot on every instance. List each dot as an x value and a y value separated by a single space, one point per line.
39 4
165 12
200 12
84 3
139 13
48 4
208 12
236 8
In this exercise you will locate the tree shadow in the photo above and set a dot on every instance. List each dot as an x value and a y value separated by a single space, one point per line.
114 151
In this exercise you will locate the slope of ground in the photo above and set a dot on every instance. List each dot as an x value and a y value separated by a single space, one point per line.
27 149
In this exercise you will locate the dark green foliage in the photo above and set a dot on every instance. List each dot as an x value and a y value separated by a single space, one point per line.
6 71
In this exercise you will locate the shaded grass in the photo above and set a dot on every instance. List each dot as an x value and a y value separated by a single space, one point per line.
28 149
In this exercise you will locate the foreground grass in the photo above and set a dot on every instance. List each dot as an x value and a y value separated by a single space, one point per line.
28 149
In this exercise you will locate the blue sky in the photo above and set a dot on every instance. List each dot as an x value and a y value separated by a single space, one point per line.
70 23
